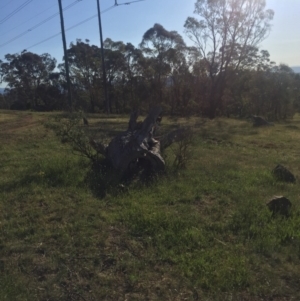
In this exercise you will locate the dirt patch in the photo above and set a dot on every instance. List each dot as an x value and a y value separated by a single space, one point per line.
19 126
19 123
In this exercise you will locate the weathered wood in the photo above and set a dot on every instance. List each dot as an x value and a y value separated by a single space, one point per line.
136 147
99 147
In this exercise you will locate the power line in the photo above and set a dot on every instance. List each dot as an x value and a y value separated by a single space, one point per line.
39 24
126 3
9 2
28 20
15 11
90 18
38 43
75 25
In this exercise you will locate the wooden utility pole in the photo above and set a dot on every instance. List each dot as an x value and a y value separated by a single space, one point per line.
65 54
102 57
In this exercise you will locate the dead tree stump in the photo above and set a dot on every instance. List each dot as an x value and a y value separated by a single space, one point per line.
137 147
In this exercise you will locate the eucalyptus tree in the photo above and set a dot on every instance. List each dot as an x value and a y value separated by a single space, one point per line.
25 73
282 92
115 66
242 84
85 73
162 48
122 69
227 35
134 59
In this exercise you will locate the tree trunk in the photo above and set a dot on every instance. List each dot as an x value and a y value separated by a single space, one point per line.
136 147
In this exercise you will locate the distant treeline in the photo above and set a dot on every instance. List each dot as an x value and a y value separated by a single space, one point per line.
224 73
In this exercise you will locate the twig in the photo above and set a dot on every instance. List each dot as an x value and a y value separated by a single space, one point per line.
220 241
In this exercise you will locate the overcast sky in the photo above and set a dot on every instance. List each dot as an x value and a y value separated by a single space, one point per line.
25 24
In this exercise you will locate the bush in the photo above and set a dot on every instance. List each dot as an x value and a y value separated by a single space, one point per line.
71 131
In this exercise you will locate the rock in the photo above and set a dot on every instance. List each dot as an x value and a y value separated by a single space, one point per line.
259 121
280 205
283 174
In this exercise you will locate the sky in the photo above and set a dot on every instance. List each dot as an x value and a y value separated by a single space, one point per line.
35 25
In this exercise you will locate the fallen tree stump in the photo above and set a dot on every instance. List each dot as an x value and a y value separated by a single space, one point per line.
137 147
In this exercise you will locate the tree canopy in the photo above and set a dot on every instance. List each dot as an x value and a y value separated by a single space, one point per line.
226 36
223 73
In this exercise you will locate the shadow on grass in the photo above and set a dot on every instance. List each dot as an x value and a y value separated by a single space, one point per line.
53 172
292 127
100 178
103 179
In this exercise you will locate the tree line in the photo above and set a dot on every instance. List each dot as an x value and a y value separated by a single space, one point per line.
223 73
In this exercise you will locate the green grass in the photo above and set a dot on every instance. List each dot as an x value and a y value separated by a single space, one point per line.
203 233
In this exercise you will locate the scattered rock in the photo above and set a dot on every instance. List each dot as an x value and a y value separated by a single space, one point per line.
259 121
280 205
283 174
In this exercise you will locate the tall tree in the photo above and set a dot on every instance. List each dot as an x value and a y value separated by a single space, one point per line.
133 73
85 64
161 47
226 35
25 73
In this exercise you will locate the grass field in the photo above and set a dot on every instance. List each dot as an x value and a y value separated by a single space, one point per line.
203 233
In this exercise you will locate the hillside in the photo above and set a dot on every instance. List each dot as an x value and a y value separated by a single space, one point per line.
203 233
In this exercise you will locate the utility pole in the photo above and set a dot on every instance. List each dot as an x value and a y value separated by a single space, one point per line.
65 54
102 56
